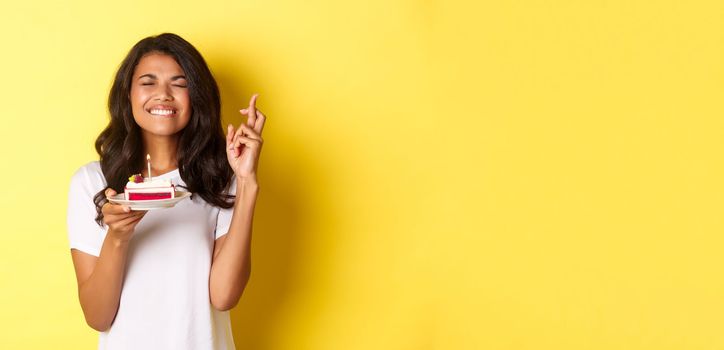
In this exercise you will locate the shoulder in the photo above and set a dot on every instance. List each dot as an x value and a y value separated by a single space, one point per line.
88 176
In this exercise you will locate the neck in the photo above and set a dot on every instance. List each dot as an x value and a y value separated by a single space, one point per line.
163 153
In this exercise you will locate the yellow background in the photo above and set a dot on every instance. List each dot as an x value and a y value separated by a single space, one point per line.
436 174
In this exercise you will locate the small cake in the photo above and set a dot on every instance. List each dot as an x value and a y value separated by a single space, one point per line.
140 189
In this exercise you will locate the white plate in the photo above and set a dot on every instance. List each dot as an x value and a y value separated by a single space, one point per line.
150 204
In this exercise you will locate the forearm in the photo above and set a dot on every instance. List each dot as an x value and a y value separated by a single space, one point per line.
231 266
101 292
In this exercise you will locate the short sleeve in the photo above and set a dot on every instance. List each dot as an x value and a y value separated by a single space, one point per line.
84 233
223 220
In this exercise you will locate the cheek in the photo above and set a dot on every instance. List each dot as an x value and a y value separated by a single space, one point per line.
184 99
136 98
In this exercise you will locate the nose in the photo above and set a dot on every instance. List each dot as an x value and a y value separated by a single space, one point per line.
163 93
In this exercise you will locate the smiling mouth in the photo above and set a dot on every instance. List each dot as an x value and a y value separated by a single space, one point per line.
163 112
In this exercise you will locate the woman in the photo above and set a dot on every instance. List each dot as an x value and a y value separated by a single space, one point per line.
165 279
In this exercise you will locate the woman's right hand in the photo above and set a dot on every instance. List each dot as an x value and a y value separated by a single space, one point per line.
121 220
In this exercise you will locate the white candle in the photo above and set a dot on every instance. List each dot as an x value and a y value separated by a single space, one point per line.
148 160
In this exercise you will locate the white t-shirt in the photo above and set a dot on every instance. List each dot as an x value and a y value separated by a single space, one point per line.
165 297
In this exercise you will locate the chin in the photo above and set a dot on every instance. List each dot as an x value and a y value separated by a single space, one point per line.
161 131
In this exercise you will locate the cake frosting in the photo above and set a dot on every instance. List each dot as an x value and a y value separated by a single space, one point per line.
138 189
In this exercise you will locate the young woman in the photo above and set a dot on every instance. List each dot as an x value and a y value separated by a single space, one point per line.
166 278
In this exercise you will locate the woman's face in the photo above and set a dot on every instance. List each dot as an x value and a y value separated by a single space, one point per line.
160 95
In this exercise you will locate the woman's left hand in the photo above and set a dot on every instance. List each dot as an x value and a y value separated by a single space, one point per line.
244 144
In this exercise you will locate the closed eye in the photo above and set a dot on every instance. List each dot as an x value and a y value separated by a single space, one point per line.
181 86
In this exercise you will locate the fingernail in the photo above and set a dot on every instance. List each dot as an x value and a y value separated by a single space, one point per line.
126 209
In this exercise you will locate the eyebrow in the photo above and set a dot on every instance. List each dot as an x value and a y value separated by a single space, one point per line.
152 76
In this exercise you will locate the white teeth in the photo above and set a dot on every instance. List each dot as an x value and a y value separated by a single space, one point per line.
162 111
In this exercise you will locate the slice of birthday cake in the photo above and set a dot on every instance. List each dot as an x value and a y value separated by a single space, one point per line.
140 189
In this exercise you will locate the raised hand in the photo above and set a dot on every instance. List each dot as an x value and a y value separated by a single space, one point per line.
243 145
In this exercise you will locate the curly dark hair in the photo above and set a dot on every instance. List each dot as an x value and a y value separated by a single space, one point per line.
201 150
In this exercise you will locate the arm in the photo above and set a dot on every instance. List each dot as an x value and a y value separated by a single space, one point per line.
100 279
231 265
